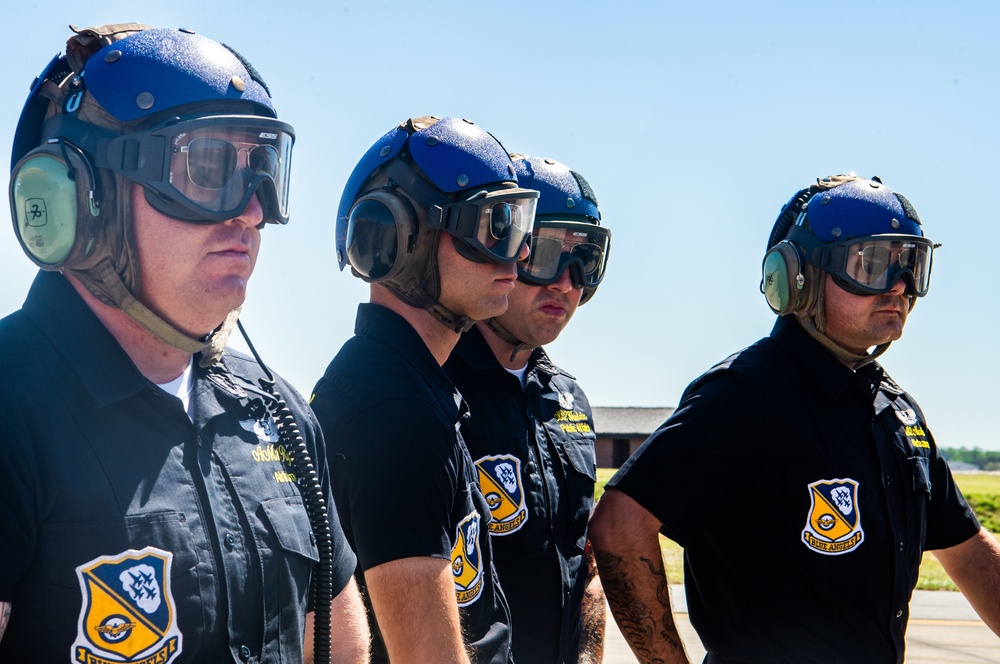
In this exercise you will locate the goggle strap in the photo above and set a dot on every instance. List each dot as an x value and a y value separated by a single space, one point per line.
407 179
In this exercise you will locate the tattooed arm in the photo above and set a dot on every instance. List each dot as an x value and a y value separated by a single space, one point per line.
627 549
593 614
4 617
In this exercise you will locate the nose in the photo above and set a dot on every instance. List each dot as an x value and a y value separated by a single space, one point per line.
563 283
899 286
523 254
252 215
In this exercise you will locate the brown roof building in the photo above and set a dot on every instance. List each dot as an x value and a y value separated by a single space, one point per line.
621 430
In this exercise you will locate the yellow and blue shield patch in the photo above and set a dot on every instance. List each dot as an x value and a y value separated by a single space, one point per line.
128 612
833 526
467 561
500 482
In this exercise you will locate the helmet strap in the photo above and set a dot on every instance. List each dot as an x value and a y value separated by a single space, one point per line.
415 296
852 360
508 338
106 285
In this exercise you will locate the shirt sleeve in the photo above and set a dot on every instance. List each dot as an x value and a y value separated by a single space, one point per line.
394 479
690 467
950 519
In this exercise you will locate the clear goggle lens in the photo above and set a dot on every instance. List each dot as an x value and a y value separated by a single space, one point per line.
557 245
492 226
207 169
219 169
875 265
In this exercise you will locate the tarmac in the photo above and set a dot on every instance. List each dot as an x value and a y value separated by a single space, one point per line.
943 629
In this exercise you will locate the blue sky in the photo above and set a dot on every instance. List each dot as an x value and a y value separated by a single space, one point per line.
693 122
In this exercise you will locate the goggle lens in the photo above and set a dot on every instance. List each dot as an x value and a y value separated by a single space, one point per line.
503 227
554 248
875 265
212 162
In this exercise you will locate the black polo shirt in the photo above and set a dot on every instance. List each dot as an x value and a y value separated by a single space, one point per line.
804 495
128 531
533 447
402 476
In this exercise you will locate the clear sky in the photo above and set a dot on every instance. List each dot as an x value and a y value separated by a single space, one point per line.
693 122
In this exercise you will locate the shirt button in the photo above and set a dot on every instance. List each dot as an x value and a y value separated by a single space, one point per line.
900 546
230 541
245 653
899 614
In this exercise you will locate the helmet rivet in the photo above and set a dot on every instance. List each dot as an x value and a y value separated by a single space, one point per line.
432 140
462 180
550 161
384 152
570 203
239 84
836 232
894 223
825 199
112 55
144 101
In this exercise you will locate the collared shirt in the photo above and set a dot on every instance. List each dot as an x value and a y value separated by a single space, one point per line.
804 494
402 476
534 453
127 530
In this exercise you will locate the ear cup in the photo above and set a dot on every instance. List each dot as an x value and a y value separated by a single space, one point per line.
783 281
381 234
51 205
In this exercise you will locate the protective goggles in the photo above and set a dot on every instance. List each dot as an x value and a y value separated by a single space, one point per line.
206 170
491 226
872 265
557 245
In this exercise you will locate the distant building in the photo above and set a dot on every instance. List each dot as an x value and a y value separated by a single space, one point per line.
621 430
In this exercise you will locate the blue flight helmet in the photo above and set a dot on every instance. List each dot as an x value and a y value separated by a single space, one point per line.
860 232
568 234
425 177
186 118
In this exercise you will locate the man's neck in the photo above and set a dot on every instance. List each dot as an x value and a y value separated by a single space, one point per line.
439 339
155 359
504 351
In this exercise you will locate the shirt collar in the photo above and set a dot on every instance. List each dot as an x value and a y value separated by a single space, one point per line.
826 372
100 363
385 326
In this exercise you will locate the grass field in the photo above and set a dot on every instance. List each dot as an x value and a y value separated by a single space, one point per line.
981 490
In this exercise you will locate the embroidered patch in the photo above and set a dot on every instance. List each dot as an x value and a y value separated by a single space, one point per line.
833 526
500 482
128 613
908 416
467 561
566 401
264 428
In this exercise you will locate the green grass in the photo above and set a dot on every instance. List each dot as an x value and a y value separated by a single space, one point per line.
981 490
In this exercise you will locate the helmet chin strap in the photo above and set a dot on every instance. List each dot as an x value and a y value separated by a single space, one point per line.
106 285
507 337
415 296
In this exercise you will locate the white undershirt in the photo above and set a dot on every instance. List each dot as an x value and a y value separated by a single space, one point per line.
518 373
181 387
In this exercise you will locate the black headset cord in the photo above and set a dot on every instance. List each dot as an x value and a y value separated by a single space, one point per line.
315 502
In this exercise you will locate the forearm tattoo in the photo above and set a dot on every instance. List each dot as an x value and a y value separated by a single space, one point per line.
4 617
642 625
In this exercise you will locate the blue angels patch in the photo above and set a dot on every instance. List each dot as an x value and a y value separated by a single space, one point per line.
500 482
128 612
833 526
467 561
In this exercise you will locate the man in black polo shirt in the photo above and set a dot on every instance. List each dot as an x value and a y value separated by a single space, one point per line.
531 430
152 510
432 217
802 482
